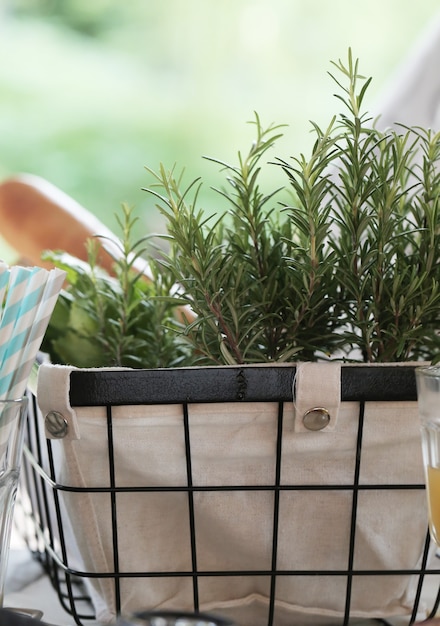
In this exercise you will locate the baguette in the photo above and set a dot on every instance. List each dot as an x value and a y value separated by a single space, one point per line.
36 216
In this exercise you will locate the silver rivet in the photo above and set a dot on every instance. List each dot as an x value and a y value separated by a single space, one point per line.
56 424
316 418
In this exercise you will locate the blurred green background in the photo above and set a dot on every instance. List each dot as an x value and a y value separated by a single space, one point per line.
91 91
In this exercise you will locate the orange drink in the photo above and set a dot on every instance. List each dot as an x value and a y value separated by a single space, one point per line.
433 492
428 399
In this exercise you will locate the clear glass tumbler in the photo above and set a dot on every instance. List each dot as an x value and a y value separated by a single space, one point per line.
12 426
428 398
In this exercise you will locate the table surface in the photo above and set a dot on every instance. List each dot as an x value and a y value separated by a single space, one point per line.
28 587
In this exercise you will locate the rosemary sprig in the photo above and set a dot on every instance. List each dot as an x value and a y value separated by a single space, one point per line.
103 320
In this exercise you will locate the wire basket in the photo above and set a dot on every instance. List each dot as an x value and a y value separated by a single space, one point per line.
245 525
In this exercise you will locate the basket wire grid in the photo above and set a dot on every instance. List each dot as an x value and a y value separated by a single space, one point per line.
40 489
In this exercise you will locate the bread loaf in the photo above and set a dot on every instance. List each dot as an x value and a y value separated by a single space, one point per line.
36 216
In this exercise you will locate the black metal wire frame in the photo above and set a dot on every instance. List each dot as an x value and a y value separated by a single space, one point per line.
198 385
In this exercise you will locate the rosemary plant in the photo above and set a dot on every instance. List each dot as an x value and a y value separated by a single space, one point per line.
123 320
348 269
386 216
260 283
343 262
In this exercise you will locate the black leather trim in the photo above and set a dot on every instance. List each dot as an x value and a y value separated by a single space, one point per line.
223 384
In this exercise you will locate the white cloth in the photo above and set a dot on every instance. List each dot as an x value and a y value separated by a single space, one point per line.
412 96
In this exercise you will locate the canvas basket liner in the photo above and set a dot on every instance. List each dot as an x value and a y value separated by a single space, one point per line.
233 460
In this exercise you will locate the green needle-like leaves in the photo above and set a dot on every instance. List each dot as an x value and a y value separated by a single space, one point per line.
344 262
347 269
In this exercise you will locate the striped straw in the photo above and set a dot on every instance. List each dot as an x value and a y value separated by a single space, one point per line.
15 292
20 362
4 279
31 295
18 315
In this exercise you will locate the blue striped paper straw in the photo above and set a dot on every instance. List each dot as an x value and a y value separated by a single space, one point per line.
31 295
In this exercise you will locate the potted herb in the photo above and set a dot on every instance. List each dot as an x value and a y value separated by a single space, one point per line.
340 266
342 263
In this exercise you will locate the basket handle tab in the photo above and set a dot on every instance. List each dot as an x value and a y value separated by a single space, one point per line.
317 396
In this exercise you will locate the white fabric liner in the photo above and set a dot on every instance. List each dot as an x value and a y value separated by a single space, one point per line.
234 444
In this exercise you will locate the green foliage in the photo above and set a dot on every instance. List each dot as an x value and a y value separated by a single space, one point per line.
239 270
344 263
88 18
103 320
386 214
349 269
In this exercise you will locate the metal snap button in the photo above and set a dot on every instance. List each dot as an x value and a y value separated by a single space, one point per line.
56 424
316 418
